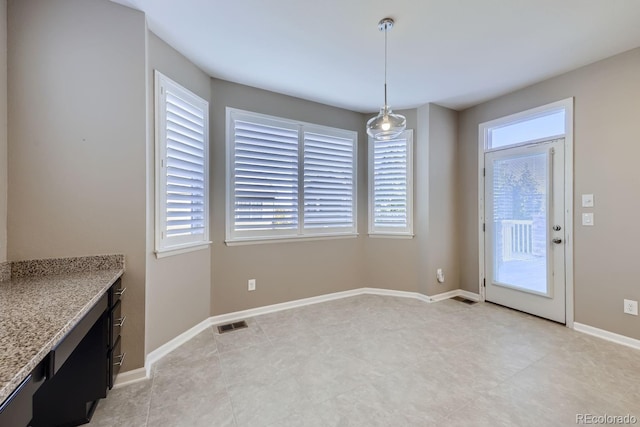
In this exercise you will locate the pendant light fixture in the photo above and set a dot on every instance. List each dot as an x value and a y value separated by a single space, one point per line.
386 125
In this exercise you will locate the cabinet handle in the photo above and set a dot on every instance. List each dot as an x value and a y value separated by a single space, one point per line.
120 321
119 362
120 291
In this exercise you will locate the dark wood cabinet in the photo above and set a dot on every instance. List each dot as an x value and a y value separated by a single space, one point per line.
17 409
79 370
69 397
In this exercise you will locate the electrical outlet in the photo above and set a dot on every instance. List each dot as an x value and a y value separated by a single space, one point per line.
440 275
631 307
252 284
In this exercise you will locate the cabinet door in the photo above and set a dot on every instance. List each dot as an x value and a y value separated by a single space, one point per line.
68 397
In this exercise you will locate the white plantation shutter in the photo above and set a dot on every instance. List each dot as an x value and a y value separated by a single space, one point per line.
391 185
265 178
182 151
329 181
288 179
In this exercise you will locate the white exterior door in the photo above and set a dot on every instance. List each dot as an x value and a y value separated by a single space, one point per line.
525 228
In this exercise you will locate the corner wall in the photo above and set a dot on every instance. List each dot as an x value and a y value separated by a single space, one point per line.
606 153
3 131
442 234
178 286
77 140
392 263
410 264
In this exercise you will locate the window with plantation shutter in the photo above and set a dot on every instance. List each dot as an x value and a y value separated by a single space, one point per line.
391 186
287 179
329 194
182 214
265 185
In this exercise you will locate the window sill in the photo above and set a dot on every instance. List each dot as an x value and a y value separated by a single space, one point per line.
289 239
183 249
391 236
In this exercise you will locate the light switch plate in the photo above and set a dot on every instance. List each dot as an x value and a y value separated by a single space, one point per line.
587 200
587 219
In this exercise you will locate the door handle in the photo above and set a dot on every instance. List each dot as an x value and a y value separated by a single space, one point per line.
557 241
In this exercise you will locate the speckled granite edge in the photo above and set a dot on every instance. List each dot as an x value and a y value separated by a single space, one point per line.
104 280
5 271
52 266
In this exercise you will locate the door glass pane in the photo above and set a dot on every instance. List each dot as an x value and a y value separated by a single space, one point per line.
520 222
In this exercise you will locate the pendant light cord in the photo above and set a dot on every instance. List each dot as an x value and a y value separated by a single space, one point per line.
385 66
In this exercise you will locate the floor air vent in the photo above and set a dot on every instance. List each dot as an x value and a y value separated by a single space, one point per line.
464 300
232 326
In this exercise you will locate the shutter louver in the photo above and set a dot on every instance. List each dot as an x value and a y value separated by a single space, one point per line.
265 187
390 184
185 180
328 182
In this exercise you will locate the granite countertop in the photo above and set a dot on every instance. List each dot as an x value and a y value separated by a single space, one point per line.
37 311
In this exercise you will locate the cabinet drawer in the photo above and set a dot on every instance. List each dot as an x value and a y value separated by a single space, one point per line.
115 292
63 350
17 409
116 323
116 359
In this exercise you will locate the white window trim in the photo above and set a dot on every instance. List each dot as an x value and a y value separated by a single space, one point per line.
300 234
523 116
164 247
380 232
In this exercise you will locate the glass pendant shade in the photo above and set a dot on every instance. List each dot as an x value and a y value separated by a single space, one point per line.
386 125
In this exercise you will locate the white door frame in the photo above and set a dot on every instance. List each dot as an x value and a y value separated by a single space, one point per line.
483 135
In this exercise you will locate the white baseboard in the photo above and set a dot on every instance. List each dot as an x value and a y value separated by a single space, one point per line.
176 342
130 377
469 295
454 293
171 345
606 335
392 293
238 315
426 298
445 295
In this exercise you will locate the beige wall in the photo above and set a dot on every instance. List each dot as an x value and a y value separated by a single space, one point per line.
3 130
179 286
410 264
442 218
392 263
284 271
77 139
606 153
80 155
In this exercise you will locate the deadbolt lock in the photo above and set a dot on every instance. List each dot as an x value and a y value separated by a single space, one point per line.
557 228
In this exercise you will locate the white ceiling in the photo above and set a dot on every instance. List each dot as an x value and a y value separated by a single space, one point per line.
456 53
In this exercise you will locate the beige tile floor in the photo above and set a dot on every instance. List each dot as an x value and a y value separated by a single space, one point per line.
384 361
